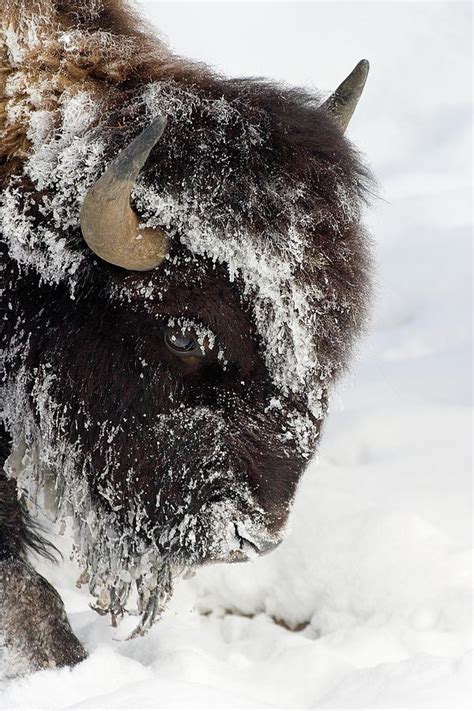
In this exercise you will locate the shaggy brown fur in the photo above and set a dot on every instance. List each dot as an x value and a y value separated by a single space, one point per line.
165 462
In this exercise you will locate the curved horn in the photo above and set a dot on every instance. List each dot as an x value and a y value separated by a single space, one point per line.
108 223
343 101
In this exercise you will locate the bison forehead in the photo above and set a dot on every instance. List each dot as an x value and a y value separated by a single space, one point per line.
223 185
237 180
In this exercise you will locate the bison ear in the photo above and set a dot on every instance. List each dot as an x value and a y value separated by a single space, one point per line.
342 103
109 225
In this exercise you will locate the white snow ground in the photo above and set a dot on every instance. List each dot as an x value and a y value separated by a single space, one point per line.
377 561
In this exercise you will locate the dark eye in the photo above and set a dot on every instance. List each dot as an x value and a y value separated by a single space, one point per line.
183 343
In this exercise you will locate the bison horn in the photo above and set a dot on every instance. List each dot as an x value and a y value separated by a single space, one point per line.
109 225
343 101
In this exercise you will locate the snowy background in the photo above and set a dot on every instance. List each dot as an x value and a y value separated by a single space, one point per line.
367 603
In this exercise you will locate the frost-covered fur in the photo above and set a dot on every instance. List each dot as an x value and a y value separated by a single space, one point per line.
163 464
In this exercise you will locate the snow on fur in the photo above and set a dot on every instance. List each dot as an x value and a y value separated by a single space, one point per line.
67 154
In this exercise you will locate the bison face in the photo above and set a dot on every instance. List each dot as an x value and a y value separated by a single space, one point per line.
177 423
173 383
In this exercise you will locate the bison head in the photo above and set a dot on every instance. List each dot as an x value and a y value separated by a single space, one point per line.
177 398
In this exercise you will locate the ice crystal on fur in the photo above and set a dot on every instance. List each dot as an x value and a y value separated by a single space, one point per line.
111 559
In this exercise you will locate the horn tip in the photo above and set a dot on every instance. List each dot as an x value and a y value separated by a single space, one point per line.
361 70
343 101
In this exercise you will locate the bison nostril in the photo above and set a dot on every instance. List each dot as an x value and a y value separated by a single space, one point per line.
256 545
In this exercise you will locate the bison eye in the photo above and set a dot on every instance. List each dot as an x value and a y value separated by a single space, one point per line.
180 343
183 343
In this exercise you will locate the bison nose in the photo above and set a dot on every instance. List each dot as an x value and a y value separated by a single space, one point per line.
257 546
253 546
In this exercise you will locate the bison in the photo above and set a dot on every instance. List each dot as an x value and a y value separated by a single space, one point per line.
184 272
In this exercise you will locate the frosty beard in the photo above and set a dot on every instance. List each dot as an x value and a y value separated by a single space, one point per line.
195 498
